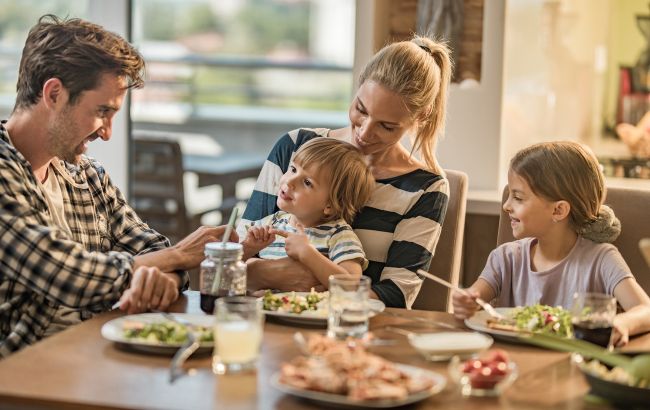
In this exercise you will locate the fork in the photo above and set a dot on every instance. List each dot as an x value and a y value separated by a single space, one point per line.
183 352
486 306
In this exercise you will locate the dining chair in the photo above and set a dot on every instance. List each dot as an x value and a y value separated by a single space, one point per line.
158 196
631 208
446 261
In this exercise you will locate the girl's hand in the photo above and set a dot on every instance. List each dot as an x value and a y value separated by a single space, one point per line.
464 306
257 238
296 244
620 333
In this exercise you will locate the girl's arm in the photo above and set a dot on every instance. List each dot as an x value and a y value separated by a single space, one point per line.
636 318
464 305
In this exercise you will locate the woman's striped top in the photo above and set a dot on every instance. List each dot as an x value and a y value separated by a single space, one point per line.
399 227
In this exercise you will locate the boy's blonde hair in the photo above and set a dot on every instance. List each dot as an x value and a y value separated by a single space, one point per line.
419 71
343 166
564 170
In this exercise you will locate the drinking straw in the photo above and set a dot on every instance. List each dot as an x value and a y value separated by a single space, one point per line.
226 237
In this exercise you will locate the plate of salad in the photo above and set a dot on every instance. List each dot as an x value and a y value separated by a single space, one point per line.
305 308
523 319
153 333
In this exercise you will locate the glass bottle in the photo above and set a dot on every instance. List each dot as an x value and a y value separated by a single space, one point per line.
223 273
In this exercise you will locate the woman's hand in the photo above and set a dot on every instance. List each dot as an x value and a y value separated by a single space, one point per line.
257 238
464 305
150 289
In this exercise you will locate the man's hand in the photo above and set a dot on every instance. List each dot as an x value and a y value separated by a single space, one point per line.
190 249
150 289
257 238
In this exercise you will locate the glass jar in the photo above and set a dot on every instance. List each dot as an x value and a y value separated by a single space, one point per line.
223 273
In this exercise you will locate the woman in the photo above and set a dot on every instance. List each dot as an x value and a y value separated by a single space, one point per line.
402 93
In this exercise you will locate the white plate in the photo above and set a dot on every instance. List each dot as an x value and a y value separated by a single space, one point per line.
439 383
114 331
478 322
315 317
444 345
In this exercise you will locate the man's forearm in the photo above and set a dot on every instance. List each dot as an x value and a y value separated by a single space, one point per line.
167 260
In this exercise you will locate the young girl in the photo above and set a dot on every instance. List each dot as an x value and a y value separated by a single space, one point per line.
325 186
556 191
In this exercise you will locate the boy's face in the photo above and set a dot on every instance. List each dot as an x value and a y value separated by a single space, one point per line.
304 192
530 215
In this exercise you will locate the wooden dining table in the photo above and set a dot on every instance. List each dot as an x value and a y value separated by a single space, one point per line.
79 369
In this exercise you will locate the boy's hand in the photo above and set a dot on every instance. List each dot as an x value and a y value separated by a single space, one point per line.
257 238
296 244
464 306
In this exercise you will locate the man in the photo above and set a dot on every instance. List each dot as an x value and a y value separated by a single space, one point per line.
70 246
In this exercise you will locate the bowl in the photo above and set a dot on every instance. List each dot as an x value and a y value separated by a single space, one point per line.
604 383
445 345
478 377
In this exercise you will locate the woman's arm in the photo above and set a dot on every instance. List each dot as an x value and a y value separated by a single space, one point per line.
283 274
636 318
414 238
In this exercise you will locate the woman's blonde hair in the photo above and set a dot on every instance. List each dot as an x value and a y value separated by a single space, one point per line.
419 71
566 170
344 167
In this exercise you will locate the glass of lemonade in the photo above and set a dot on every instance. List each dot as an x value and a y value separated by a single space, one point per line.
348 307
592 315
238 334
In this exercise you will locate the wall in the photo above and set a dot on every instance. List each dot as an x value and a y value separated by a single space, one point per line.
114 154
472 139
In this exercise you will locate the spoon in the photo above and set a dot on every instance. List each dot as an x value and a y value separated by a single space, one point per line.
638 366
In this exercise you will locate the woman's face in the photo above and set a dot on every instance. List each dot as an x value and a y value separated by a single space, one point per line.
378 118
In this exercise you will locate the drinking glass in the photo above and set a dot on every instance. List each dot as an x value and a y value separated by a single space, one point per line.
238 334
348 307
592 315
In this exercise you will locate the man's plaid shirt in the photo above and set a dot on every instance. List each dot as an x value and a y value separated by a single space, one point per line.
41 267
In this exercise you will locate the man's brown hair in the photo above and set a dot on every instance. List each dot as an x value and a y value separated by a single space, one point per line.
76 52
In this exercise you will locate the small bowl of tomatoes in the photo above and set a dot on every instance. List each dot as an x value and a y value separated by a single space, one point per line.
487 375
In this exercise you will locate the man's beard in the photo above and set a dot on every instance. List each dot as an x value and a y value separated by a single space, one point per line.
61 135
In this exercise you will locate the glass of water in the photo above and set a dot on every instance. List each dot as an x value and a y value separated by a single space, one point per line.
348 307
238 334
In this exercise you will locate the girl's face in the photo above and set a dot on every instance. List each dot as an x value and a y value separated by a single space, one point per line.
304 192
530 215
378 118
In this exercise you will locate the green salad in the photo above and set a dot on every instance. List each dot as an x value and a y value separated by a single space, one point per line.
544 319
165 332
292 303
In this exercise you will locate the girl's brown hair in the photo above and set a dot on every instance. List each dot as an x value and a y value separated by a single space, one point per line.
564 170
343 166
419 71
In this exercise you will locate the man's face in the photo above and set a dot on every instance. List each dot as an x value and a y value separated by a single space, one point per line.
90 117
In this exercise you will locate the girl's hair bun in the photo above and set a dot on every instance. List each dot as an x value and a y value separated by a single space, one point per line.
605 229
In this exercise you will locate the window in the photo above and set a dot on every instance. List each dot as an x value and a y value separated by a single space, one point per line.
16 19
247 61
